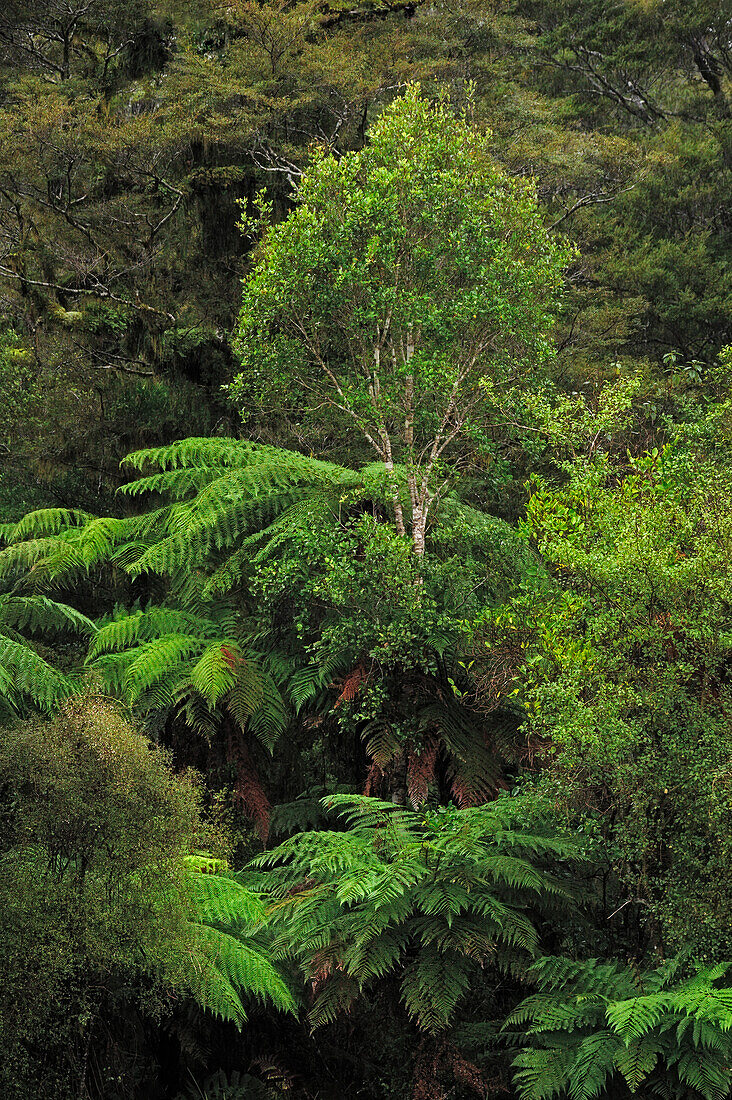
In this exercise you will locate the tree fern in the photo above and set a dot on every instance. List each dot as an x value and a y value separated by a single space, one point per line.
397 885
219 492
27 679
168 670
599 1024
227 934
221 510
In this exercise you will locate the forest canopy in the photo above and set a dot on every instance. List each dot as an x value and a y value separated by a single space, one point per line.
365 542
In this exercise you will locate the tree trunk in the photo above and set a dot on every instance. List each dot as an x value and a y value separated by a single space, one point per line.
419 526
398 780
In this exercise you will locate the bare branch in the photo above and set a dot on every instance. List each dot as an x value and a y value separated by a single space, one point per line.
590 200
98 291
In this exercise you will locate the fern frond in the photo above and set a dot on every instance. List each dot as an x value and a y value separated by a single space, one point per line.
40 560
194 451
245 699
633 1018
42 615
706 1072
223 901
432 987
217 671
670 1039
307 682
378 955
637 1060
24 675
540 1074
176 483
269 720
382 743
214 990
45 521
593 1065
145 625
248 969
401 886
334 995
304 813
152 661
195 711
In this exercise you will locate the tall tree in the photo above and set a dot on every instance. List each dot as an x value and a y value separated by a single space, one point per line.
414 279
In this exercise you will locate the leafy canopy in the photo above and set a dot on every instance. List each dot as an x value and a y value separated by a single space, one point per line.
412 280
94 890
626 645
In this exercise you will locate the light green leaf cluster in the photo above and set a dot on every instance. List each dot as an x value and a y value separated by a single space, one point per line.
413 280
234 964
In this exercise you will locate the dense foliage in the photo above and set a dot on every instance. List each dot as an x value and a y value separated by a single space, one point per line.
102 917
365 529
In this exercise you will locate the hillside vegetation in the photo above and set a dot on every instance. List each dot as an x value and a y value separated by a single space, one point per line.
365 549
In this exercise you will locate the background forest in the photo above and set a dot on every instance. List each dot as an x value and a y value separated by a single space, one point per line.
366 632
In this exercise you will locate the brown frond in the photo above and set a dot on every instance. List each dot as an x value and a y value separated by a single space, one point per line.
249 793
437 1069
427 1084
421 771
374 780
351 685
470 788
496 662
322 965
332 990
231 658
475 772
466 1073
